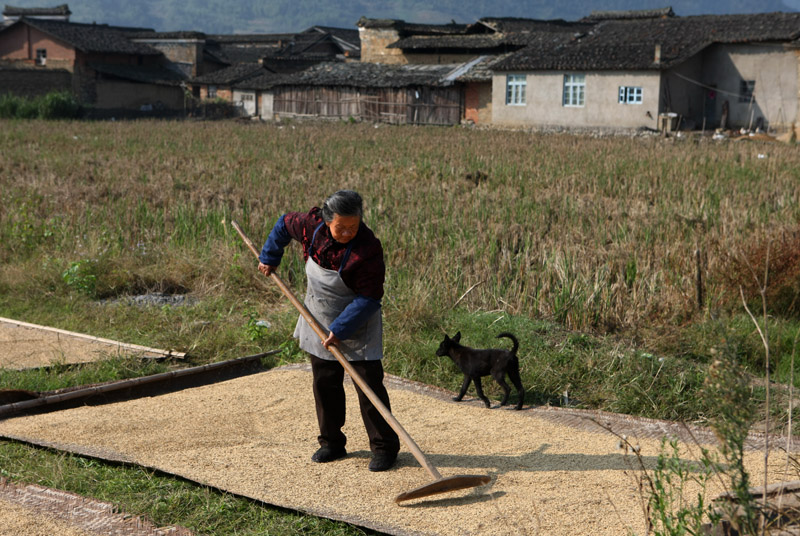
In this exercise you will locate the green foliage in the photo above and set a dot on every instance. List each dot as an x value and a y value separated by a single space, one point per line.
729 387
56 105
255 329
671 512
60 105
80 276
9 104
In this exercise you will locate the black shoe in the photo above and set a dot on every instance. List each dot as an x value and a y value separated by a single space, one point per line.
328 454
382 462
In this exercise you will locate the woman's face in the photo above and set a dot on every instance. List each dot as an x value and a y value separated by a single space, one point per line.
344 228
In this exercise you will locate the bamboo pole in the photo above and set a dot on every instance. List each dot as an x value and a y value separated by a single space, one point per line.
167 353
15 407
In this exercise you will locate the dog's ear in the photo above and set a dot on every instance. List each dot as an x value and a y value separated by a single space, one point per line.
457 337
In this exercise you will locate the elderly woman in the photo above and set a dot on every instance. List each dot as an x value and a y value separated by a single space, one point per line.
345 273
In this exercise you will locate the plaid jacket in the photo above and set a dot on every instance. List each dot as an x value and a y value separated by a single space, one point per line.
363 272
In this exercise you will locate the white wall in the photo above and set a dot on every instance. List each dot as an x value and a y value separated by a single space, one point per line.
544 96
775 71
265 105
246 99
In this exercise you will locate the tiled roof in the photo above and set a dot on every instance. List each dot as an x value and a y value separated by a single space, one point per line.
231 75
518 25
631 14
250 38
12 11
138 73
373 75
482 70
409 28
265 80
233 53
629 44
166 35
491 33
96 38
347 35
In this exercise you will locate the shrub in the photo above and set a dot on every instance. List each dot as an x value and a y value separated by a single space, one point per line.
9 104
55 105
60 105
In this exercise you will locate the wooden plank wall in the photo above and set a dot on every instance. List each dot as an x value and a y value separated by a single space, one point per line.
420 106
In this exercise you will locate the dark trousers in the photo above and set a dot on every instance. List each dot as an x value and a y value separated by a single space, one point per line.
330 401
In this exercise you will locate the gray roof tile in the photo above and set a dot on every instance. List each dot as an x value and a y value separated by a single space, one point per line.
629 44
91 38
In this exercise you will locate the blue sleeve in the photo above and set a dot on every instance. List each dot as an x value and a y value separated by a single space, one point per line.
278 238
354 316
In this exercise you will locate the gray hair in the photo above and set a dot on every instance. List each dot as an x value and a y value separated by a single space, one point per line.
343 203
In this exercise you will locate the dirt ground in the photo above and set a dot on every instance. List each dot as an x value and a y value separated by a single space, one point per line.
554 472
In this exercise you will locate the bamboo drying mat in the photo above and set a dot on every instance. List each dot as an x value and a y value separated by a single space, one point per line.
32 510
24 345
553 472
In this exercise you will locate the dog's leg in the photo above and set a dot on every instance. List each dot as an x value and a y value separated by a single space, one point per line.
464 387
479 389
513 373
500 378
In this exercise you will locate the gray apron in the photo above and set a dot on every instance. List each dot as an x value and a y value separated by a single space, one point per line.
326 297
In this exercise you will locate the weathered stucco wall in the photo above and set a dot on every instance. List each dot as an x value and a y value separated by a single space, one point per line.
187 54
111 94
775 72
373 46
544 101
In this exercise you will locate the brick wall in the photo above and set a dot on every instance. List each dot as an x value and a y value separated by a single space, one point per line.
478 102
34 82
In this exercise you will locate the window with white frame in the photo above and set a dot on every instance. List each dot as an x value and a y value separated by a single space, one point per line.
515 89
212 92
746 89
41 56
574 89
630 95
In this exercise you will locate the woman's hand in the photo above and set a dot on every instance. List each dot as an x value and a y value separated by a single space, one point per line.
332 339
265 269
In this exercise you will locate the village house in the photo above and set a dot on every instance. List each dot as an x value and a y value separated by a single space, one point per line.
481 45
655 70
633 69
409 94
287 53
98 63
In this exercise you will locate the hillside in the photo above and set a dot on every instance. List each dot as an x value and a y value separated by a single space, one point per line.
253 16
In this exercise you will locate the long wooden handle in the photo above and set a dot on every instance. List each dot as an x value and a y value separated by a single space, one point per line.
396 426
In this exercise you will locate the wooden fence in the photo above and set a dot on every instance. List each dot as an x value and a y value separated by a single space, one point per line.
422 105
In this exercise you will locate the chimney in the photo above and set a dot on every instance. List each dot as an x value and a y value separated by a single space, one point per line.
657 59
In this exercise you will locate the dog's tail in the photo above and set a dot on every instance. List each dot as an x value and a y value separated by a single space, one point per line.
513 339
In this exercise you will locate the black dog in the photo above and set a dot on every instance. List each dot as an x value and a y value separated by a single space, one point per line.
477 363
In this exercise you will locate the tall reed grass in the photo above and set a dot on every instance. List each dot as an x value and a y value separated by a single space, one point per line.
591 233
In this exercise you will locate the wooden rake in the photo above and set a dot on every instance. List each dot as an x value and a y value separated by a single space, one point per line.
440 484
